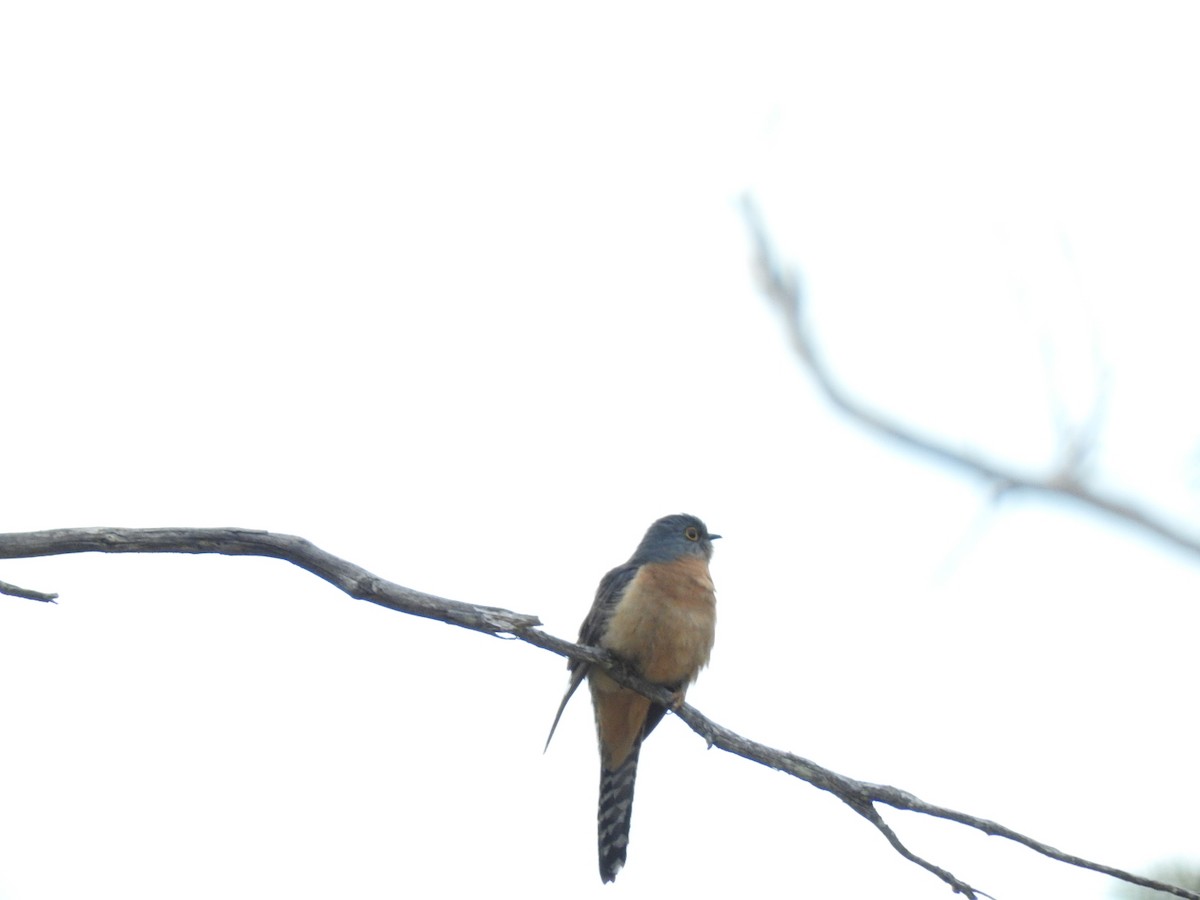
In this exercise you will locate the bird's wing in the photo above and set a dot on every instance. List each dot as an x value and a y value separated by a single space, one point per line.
608 594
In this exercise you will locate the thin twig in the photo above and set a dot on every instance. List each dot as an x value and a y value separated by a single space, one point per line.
861 796
782 285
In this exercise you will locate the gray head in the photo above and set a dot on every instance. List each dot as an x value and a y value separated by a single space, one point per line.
672 537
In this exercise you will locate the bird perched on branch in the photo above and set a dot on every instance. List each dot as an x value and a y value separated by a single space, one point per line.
657 613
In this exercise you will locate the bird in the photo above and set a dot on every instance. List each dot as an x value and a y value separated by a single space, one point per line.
657 613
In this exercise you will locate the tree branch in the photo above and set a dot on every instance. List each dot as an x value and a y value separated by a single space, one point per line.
862 797
782 286
345 576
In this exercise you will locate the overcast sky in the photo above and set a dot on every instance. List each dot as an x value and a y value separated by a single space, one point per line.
464 296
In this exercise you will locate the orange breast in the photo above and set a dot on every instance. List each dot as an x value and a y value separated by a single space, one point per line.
664 623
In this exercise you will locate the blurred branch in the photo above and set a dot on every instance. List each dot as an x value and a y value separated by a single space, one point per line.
782 286
1180 871
862 797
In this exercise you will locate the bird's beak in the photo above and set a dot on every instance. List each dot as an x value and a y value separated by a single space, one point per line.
714 537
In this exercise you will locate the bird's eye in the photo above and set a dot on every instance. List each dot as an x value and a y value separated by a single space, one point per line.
691 533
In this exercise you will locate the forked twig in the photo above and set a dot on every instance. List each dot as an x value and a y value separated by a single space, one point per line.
781 284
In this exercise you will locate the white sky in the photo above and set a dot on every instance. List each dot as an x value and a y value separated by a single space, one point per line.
464 297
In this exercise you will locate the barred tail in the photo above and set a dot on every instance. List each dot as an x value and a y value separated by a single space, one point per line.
616 811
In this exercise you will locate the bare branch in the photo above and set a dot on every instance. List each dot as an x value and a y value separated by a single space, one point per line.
781 284
345 576
860 796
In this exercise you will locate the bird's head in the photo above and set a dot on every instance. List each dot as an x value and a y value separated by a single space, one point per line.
674 536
